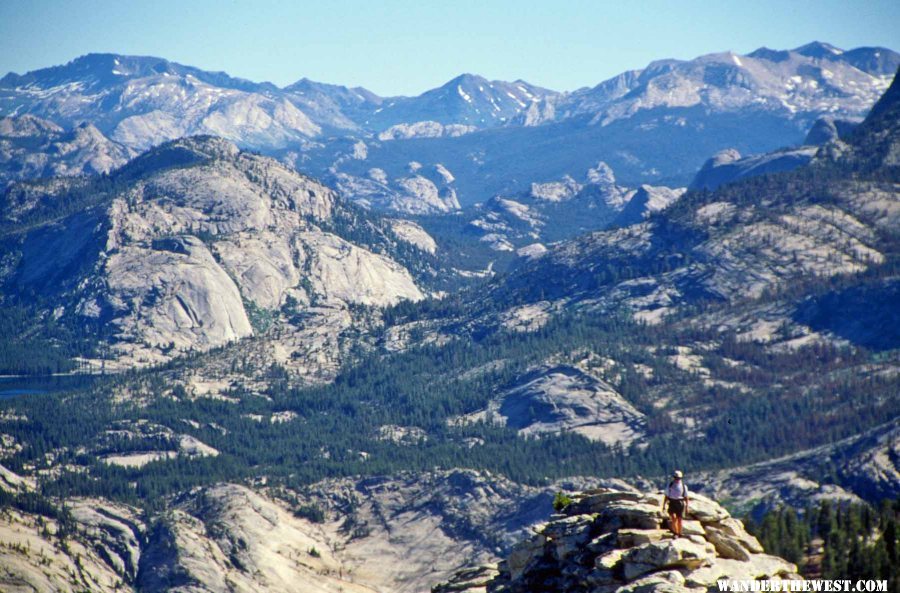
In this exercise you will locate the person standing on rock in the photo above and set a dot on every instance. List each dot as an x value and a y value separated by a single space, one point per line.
676 498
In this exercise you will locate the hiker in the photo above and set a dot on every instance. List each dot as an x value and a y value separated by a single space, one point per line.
676 498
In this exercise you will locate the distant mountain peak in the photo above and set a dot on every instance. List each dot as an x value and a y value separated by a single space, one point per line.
466 81
818 49
772 55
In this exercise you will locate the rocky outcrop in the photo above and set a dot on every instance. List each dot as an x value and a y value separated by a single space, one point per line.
559 399
424 129
31 147
415 235
391 534
228 538
553 210
97 548
827 129
196 241
647 200
728 165
426 190
609 541
404 533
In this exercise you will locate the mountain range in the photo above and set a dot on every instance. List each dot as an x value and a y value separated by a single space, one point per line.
655 125
372 380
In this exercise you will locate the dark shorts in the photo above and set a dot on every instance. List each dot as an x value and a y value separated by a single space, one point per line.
676 507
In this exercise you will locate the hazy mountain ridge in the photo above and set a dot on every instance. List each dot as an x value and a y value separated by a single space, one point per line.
797 81
34 148
143 101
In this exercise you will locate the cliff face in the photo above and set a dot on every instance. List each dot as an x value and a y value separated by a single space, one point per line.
609 541
179 250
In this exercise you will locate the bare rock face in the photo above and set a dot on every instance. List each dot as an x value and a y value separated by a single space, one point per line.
415 235
141 102
196 302
31 147
549 211
397 534
555 191
765 80
426 190
562 398
470 580
827 129
98 549
343 272
614 541
424 129
647 200
728 165
195 239
429 197
227 538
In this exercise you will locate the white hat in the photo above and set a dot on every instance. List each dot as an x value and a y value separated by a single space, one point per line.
678 473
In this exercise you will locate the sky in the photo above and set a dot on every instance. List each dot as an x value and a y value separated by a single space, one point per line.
397 47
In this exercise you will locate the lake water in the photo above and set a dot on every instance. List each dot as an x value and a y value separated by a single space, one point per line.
16 386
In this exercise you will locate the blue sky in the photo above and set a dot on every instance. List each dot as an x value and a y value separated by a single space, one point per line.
394 47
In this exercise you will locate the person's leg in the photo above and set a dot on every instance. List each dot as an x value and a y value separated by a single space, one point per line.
673 518
678 525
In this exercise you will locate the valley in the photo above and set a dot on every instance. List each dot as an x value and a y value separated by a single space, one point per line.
322 340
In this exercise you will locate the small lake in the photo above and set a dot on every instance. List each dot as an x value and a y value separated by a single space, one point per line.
38 385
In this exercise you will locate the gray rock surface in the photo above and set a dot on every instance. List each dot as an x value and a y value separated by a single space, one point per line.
182 257
428 190
556 399
647 200
31 148
827 130
141 102
728 166
792 81
611 540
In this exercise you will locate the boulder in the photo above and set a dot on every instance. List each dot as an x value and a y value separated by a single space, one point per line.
569 534
523 554
690 528
601 577
469 580
603 543
734 528
727 547
665 581
666 554
629 538
594 501
632 570
609 560
630 514
760 566
705 510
